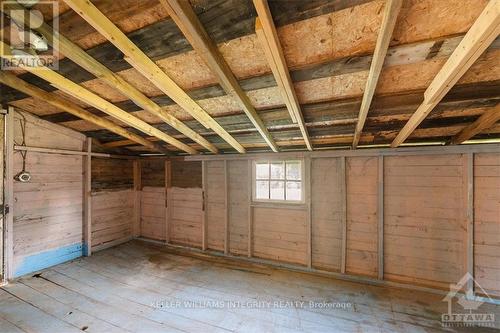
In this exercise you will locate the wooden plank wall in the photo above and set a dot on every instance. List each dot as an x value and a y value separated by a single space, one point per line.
326 201
182 220
414 205
48 209
215 208
185 216
112 217
112 202
487 222
362 215
239 210
425 219
153 199
153 212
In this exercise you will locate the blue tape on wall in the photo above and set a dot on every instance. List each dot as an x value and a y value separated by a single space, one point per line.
48 258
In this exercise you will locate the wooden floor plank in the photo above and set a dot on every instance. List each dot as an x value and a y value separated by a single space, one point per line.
128 321
240 283
121 290
59 310
8 327
29 318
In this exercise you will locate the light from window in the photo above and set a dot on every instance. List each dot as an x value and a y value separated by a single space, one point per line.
278 180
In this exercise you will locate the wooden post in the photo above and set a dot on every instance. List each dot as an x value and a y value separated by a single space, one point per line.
87 199
380 213
168 184
204 206
250 211
226 207
308 195
470 221
343 196
137 198
9 194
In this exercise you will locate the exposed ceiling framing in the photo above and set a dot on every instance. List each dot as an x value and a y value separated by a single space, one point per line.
326 74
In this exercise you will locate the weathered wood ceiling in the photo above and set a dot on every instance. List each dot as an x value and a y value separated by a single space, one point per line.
328 47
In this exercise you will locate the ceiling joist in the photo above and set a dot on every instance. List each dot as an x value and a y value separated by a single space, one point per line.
14 82
148 68
485 121
482 33
268 37
391 11
88 97
80 57
185 18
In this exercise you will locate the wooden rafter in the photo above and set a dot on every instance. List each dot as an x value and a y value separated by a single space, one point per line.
185 18
14 82
485 121
268 37
79 56
140 61
482 33
391 11
85 95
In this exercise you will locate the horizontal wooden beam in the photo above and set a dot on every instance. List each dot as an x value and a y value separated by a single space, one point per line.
98 102
13 81
79 56
148 68
485 121
482 33
185 18
268 37
389 19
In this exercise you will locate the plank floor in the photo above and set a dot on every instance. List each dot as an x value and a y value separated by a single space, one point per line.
138 287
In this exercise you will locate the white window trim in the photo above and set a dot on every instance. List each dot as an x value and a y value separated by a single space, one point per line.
285 202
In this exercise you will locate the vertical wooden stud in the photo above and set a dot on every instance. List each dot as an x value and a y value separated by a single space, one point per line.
380 213
470 221
204 206
87 199
343 196
226 207
250 210
9 194
308 194
168 184
137 198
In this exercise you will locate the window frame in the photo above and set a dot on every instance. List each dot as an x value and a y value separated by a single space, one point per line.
302 181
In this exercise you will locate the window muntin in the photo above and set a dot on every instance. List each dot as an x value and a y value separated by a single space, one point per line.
278 181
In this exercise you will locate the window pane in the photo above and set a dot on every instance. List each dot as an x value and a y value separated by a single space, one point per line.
262 190
293 171
277 170
262 170
278 190
294 191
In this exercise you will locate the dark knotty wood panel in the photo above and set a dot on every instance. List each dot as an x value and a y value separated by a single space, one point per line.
108 173
186 174
153 172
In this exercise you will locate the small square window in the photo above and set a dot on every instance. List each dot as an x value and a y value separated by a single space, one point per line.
278 181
